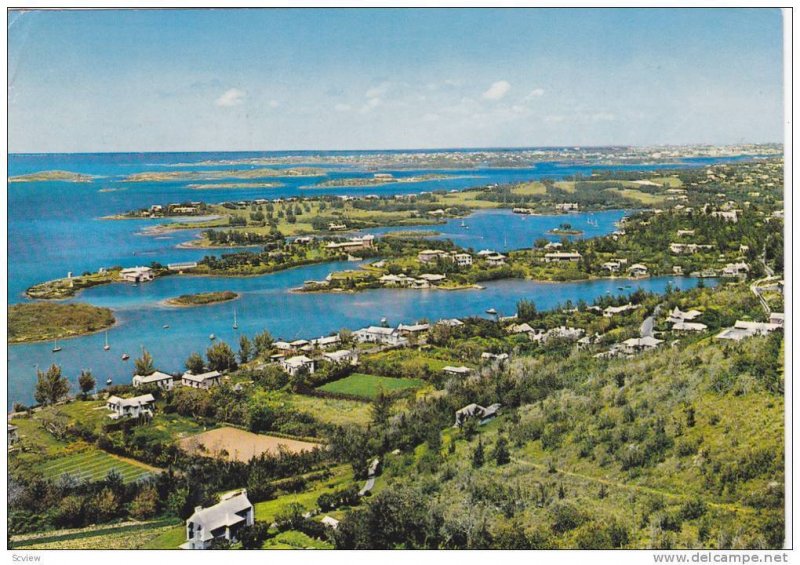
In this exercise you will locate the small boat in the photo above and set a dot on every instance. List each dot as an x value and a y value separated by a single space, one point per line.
165 326
56 347
212 337
383 320
235 323
620 288
125 356
491 311
108 381
106 347
463 225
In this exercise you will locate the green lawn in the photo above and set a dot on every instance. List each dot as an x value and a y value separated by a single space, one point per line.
335 411
367 386
295 540
169 538
268 510
93 465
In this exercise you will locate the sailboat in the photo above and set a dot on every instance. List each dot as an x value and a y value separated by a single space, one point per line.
125 356
212 337
235 323
108 381
106 347
56 347
463 224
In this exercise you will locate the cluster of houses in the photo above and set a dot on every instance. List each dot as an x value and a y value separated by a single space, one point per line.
434 255
542 336
684 321
357 243
425 280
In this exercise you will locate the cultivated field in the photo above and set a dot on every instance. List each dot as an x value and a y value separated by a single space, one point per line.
94 465
240 445
367 386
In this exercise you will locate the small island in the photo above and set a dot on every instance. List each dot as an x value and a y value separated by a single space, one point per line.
42 176
41 321
201 299
235 185
167 176
565 229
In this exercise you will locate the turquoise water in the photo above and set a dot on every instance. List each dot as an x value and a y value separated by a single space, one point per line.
56 227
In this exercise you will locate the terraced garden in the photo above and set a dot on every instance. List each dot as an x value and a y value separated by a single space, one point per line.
94 465
368 386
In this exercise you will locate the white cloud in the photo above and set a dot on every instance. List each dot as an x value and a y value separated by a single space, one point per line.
343 107
377 91
274 103
498 90
231 97
371 103
535 93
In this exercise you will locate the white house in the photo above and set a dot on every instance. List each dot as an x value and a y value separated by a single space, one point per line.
203 380
463 259
688 327
495 260
161 380
735 269
742 329
562 257
639 344
413 328
137 274
341 356
460 371
637 270
612 310
332 523
223 520
489 356
567 207
133 407
294 365
777 318
430 255
379 334
327 341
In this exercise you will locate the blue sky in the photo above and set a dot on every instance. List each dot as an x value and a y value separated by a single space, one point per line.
380 78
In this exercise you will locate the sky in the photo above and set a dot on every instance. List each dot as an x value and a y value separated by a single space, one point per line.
283 79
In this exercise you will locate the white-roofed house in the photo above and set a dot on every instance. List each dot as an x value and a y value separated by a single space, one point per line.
342 356
639 344
203 380
476 411
460 371
379 334
161 380
294 365
223 520
130 407
137 274
637 270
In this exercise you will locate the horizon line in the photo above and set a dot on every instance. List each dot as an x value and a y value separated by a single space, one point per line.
465 148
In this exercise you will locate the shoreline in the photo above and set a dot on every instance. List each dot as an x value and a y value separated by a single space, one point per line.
29 341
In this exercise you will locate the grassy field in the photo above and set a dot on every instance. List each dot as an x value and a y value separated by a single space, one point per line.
367 386
168 538
93 465
270 509
38 321
329 410
121 536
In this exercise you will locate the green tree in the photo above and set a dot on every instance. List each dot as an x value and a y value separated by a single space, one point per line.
51 386
145 504
478 455
220 357
86 381
195 364
500 453
263 343
381 408
245 349
253 537
526 310
144 364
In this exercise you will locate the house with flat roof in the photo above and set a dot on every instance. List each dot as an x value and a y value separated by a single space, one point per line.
459 371
341 356
223 520
203 380
161 380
